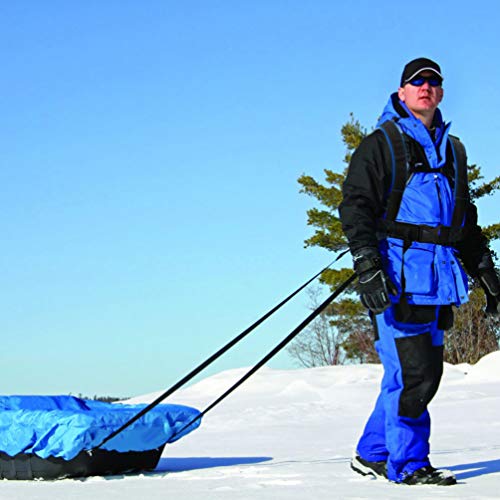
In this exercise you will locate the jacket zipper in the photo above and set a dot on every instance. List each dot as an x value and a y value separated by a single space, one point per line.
438 193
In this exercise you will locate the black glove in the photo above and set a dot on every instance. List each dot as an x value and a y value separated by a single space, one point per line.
490 284
374 285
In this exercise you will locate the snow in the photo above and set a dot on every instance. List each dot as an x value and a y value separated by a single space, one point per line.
290 435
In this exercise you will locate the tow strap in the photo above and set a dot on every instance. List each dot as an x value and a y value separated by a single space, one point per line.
273 352
231 344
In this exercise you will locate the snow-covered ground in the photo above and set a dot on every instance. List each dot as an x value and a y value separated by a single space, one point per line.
290 434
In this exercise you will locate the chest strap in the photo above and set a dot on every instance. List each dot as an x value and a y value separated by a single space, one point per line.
439 235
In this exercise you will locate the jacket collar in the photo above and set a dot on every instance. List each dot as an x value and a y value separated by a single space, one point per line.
434 144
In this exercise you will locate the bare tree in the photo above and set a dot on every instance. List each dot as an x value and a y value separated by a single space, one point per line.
340 334
473 335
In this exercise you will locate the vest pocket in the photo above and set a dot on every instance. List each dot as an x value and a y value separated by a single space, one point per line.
419 269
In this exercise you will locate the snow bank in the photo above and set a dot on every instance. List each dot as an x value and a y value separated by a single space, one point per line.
486 369
290 435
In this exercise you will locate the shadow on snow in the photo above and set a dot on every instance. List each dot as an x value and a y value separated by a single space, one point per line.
193 463
475 469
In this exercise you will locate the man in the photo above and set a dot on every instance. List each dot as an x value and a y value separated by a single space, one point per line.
408 222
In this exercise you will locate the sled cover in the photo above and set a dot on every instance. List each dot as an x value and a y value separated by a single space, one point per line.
63 426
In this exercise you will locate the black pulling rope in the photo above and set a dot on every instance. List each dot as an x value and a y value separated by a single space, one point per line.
272 353
212 358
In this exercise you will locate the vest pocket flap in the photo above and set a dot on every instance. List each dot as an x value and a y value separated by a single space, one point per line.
419 277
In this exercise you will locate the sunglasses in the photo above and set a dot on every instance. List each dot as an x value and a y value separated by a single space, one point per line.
418 81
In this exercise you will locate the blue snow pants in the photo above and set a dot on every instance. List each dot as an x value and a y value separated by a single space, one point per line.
398 430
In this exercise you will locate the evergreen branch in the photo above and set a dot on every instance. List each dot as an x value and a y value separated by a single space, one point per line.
492 232
485 189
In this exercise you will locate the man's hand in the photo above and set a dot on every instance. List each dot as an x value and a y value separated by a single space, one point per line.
490 284
374 286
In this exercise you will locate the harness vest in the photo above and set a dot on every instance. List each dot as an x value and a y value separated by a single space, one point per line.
424 264
401 173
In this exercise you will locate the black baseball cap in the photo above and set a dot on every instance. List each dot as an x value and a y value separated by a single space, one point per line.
413 68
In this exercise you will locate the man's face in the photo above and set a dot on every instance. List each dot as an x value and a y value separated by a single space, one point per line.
421 100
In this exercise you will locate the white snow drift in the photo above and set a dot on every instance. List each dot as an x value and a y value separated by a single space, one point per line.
290 435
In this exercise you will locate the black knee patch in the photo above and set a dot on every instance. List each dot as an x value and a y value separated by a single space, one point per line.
445 318
422 368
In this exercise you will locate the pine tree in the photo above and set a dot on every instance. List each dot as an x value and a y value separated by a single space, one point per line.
346 319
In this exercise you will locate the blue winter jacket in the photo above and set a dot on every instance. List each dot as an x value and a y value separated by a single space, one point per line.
433 274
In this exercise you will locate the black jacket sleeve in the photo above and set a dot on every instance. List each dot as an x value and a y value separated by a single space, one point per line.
474 245
365 191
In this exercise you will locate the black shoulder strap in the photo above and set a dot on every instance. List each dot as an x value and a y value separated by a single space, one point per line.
461 182
397 147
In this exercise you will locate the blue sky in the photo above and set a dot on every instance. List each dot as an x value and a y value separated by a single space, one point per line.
150 155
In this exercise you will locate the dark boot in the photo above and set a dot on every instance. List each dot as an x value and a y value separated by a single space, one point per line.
366 468
429 475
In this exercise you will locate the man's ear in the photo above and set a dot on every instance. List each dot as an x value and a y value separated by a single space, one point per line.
401 94
441 94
